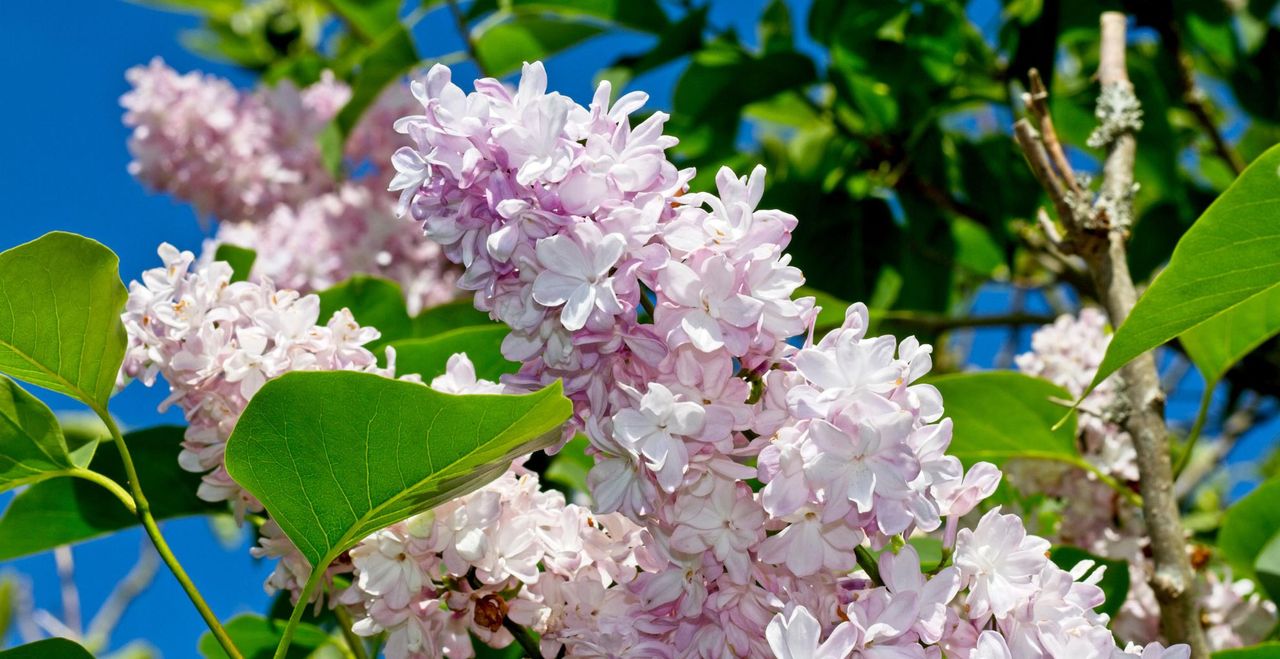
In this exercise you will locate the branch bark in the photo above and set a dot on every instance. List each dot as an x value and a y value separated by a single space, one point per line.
1098 233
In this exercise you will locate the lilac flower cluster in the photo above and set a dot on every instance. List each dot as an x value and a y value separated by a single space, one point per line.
216 343
757 471
1068 353
507 550
253 161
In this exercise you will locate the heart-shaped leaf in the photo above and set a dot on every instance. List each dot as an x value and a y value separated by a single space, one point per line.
64 511
1229 256
1267 568
60 324
335 456
32 447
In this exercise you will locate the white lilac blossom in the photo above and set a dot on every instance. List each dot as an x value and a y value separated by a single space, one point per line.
252 161
1068 353
215 342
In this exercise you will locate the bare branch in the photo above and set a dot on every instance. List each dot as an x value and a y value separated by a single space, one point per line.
133 584
1098 234
1196 100
66 566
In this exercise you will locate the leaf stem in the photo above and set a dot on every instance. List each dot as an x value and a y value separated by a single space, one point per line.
1196 429
868 564
523 637
107 484
142 510
304 599
353 641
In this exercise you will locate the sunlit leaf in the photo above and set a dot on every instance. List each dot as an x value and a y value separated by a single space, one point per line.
1022 427
1218 343
60 324
1230 255
32 446
335 456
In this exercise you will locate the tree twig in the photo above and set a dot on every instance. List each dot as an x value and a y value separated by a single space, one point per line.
1196 100
66 566
460 21
1098 234
138 580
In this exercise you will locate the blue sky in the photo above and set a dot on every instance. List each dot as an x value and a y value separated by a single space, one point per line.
64 160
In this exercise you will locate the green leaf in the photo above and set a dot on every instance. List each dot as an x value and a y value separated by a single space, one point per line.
1115 580
50 648
256 637
1269 650
642 15
1021 429
8 596
389 57
1218 343
1267 568
504 47
1248 526
1230 255
60 326
448 316
375 302
776 32
429 356
240 259
32 447
64 511
368 18
335 456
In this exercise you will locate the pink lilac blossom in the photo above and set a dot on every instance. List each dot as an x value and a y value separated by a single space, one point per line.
1068 353
650 301
252 160
216 343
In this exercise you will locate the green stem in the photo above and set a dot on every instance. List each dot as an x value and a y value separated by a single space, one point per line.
1196 428
108 484
524 638
867 562
647 304
1129 495
142 510
353 641
304 599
